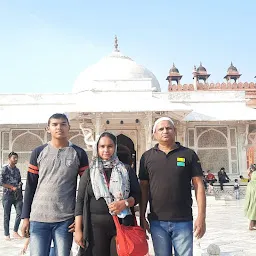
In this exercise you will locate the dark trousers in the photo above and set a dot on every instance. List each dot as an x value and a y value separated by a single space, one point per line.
7 205
221 183
102 235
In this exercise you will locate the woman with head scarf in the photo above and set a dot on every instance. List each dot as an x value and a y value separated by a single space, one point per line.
107 188
250 201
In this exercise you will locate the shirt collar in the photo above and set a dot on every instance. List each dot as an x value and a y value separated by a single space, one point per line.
177 143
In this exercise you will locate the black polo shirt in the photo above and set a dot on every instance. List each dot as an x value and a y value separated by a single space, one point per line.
169 177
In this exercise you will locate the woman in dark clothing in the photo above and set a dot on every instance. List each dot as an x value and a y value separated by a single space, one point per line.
107 188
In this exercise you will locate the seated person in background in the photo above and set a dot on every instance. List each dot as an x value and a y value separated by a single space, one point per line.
242 179
210 178
223 177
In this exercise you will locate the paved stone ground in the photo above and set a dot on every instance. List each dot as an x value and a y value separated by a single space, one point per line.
226 226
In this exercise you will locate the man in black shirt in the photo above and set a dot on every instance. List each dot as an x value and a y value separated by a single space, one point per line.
166 172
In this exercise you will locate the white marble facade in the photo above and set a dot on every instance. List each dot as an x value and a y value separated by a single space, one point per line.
218 144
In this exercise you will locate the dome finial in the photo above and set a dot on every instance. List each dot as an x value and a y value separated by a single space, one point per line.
116 44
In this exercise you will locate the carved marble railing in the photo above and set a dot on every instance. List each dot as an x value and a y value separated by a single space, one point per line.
228 192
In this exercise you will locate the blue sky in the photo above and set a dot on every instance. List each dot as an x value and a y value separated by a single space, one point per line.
44 45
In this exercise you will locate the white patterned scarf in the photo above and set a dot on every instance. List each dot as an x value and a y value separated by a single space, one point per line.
119 184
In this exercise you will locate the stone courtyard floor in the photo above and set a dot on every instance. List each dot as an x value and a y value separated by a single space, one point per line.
226 227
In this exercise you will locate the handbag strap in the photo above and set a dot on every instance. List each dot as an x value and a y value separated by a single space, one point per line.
115 218
116 221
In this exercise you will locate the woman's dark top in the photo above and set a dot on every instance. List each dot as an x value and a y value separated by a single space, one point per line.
88 206
98 206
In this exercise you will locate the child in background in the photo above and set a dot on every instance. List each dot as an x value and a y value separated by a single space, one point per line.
236 188
250 202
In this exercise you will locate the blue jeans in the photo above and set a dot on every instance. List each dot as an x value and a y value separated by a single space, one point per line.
166 234
52 252
7 205
42 233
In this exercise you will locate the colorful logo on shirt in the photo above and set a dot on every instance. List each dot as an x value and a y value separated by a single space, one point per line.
181 161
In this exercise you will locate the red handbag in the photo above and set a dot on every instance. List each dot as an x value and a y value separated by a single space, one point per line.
130 240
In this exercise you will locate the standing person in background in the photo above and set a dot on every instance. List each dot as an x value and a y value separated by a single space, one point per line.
124 154
236 188
10 179
250 202
165 174
50 195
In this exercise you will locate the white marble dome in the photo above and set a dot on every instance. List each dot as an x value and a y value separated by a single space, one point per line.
116 72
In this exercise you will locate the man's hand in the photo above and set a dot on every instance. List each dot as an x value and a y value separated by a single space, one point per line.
71 228
79 238
117 207
145 225
199 227
14 188
25 228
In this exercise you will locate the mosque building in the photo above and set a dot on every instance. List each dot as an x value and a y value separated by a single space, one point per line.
116 94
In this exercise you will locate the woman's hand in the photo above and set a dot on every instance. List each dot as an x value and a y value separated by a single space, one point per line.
79 238
117 207
71 228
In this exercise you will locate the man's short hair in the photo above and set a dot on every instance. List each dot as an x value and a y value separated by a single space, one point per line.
12 154
222 169
58 116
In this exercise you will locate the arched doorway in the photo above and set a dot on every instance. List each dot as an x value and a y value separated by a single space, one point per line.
127 142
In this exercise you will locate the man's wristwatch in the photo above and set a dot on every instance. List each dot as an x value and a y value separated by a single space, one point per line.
126 203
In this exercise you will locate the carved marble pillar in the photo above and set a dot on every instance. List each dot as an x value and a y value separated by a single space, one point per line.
148 123
141 143
98 126
242 141
181 133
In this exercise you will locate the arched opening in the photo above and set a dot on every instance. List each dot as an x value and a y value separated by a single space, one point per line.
23 145
128 143
213 150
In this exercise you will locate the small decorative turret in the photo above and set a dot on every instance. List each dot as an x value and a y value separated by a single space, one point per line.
232 73
174 75
200 73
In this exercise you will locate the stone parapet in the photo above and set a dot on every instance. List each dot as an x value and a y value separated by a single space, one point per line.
228 192
214 86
